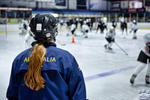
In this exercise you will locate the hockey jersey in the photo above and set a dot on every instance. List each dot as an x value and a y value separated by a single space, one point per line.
134 26
85 27
73 27
110 34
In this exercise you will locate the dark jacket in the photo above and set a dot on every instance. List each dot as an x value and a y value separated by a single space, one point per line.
63 77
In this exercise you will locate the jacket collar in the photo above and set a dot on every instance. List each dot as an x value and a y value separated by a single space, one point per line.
45 44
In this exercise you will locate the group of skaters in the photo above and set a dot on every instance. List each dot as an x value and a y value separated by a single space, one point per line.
100 25
86 25
73 24
124 28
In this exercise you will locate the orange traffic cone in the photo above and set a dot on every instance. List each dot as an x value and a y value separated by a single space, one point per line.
73 40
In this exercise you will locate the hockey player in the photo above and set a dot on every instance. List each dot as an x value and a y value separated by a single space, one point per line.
61 26
73 28
61 22
81 21
76 21
102 26
114 24
23 27
98 26
92 24
89 23
144 59
110 37
134 29
85 29
123 27
68 24
29 39
45 72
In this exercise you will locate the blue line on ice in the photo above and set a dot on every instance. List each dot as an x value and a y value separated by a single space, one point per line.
100 75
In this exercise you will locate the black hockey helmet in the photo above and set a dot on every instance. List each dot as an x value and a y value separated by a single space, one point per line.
43 27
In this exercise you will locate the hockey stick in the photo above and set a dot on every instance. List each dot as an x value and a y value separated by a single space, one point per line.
121 49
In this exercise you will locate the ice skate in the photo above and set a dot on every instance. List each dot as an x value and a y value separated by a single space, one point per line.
109 48
132 79
134 37
106 46
86 37
147 79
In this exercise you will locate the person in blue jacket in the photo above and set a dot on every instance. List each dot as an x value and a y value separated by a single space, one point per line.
45 72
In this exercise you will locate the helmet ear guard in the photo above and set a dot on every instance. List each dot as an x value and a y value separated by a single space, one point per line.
43 27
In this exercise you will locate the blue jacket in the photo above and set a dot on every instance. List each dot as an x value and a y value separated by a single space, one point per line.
63 77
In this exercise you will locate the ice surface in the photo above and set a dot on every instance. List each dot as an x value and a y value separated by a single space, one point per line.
92 58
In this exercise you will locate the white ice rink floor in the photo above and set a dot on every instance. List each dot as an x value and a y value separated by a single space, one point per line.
106 74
